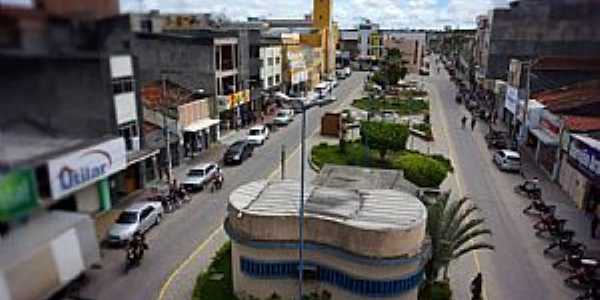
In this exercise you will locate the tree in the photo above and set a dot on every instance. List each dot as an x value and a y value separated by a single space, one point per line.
394 67
384 136
453 231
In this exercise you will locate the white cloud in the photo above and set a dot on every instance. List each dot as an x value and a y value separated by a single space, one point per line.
388 13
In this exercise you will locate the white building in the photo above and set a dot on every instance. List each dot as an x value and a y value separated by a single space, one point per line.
270 69
359 243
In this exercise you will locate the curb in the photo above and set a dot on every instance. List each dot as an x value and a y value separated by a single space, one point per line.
311 163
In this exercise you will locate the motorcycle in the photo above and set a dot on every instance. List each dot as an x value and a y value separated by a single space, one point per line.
551 225
540 207
166 204
572 259
584 275
529 189
591 292
132 259
565 244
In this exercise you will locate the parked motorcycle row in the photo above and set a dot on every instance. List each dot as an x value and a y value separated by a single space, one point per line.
580 268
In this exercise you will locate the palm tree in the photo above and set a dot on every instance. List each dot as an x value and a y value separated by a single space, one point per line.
453 231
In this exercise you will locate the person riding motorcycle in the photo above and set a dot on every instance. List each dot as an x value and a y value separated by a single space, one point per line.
218 182
137 245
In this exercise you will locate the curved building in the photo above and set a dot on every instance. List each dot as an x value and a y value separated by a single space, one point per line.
359 244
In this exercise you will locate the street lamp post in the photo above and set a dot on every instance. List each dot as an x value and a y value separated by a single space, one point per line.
301 212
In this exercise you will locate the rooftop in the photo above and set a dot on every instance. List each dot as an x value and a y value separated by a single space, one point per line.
375 210
559 63
570 97
582 123
28 145
349 177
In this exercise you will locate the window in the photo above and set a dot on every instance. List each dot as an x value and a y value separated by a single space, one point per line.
359 286
128 131
277 79
270 61
122 85
146 25
270 81
277 60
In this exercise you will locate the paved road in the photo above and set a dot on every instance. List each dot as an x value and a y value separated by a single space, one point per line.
517 269
181 232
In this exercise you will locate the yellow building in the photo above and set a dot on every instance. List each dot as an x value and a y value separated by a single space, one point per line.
294 67
325 34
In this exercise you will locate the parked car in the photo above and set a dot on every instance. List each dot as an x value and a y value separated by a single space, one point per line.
330 99
284 117
138 217
348 71
507 160
257 135
341 74
200 176
238 152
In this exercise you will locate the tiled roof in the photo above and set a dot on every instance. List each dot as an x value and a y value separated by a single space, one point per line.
556 63
582 123
570 97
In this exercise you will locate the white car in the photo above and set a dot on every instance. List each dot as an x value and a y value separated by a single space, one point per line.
257 135
284 117
507 160
138 217
199 176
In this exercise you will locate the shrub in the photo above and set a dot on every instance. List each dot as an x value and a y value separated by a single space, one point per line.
384 137
422 170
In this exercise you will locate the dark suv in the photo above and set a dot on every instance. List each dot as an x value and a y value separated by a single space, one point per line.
238 152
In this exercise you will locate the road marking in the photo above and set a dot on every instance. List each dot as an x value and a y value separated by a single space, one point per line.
459 185
165 286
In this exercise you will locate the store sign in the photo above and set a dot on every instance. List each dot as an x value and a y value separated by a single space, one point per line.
585 158
512 99
82 168
236 99
551 125
18 194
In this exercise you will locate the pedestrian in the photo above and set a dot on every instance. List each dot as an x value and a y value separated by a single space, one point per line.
476 287
463 121
594 224
473 122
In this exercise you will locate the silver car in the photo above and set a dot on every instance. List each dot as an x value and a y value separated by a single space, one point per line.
507 160
199 176
139 217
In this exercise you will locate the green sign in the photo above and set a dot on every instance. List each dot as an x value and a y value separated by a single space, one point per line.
18 194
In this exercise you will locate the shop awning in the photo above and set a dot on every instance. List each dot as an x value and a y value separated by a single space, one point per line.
544 137
140 155
201 124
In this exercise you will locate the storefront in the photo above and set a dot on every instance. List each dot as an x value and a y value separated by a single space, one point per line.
547 137
78 180
234 110
511 103
198 135
580 174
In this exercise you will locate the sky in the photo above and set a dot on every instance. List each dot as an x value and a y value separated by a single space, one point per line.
399 14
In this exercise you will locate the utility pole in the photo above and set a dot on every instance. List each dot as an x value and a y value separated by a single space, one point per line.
523 133
282 162
166 128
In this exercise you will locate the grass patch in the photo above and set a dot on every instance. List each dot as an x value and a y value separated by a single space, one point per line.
207 287
421 169
399 105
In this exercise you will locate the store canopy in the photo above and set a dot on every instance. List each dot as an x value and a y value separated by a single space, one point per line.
544 137
201 124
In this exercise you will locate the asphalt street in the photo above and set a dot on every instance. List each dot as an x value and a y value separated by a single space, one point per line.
181 232
516 269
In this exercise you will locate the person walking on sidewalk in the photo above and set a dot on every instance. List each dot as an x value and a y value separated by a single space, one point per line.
463 121
473 123
476 287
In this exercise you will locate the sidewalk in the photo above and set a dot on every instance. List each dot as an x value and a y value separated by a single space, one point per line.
104 220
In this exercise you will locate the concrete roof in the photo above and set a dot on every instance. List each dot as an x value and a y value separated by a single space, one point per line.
376 210
27 146
350 177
